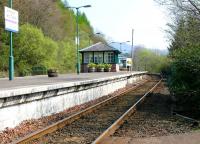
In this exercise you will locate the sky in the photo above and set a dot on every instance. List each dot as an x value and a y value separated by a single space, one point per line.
116 19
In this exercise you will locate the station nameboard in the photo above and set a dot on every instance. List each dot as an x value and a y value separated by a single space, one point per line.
11 19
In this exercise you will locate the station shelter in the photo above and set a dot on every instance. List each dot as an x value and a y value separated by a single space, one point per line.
100 53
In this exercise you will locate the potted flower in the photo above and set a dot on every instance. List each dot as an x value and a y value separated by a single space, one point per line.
52 72
91 67
107 67
100 67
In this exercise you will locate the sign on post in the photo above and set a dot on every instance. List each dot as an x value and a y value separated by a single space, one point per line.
77 41
11 19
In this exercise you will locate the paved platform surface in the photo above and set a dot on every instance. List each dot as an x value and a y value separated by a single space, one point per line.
189 138
20 82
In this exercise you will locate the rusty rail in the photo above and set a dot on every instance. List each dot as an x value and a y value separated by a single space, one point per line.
193 121
111 130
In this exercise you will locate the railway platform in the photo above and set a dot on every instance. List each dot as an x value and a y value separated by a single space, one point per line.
34 97
41 80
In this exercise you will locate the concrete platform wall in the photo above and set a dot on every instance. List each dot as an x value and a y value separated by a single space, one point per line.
34 102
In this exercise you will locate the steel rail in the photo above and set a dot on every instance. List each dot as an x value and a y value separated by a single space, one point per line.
62 123
111 130
194 121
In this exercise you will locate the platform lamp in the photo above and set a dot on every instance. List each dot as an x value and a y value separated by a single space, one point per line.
77 36
11 58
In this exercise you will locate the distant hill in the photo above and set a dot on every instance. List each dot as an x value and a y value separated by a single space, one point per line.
47 36
127 48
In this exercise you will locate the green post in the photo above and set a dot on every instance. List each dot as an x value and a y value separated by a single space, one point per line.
77 43
116 58
11 58
77 35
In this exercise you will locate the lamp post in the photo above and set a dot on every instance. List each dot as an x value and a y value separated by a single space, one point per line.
77 36
11 59
132 55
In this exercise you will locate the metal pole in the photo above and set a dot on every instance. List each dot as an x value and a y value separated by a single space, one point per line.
11 58
120 47
132 51
77 42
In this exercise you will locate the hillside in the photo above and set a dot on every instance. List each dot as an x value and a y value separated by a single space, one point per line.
46 37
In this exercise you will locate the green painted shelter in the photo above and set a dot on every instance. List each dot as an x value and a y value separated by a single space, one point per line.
100 53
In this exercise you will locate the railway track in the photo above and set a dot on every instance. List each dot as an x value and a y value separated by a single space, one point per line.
154 118
96 122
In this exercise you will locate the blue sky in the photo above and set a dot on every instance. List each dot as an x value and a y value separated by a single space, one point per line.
116 18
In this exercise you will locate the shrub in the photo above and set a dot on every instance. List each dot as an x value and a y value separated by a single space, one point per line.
185 71
52 70
107 66
100 66
184 80
92 65
32 48
39 70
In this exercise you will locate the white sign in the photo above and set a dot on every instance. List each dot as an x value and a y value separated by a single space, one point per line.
11 19
77 41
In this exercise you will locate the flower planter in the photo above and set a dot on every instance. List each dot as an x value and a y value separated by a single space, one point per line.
107 67
92 69
52 73
107 70
100 69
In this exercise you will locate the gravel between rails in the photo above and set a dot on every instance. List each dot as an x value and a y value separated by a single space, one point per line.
153 118
89 127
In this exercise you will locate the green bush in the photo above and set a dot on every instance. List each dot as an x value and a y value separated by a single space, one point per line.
184 80
39 70
32 48
148 60
66 56
52 70
24 69
184 53
185 72
107 66
92 65
100 66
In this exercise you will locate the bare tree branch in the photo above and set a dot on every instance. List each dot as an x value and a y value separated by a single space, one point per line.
182 6
194 5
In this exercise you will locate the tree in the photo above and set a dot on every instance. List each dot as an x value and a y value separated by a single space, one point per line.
2 4
66 56
184 75
187 33
149 60
4 53
32 48
35 12
46 37
181 7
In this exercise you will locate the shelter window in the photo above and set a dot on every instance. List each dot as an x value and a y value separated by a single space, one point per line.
88 58
109 57
98 57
